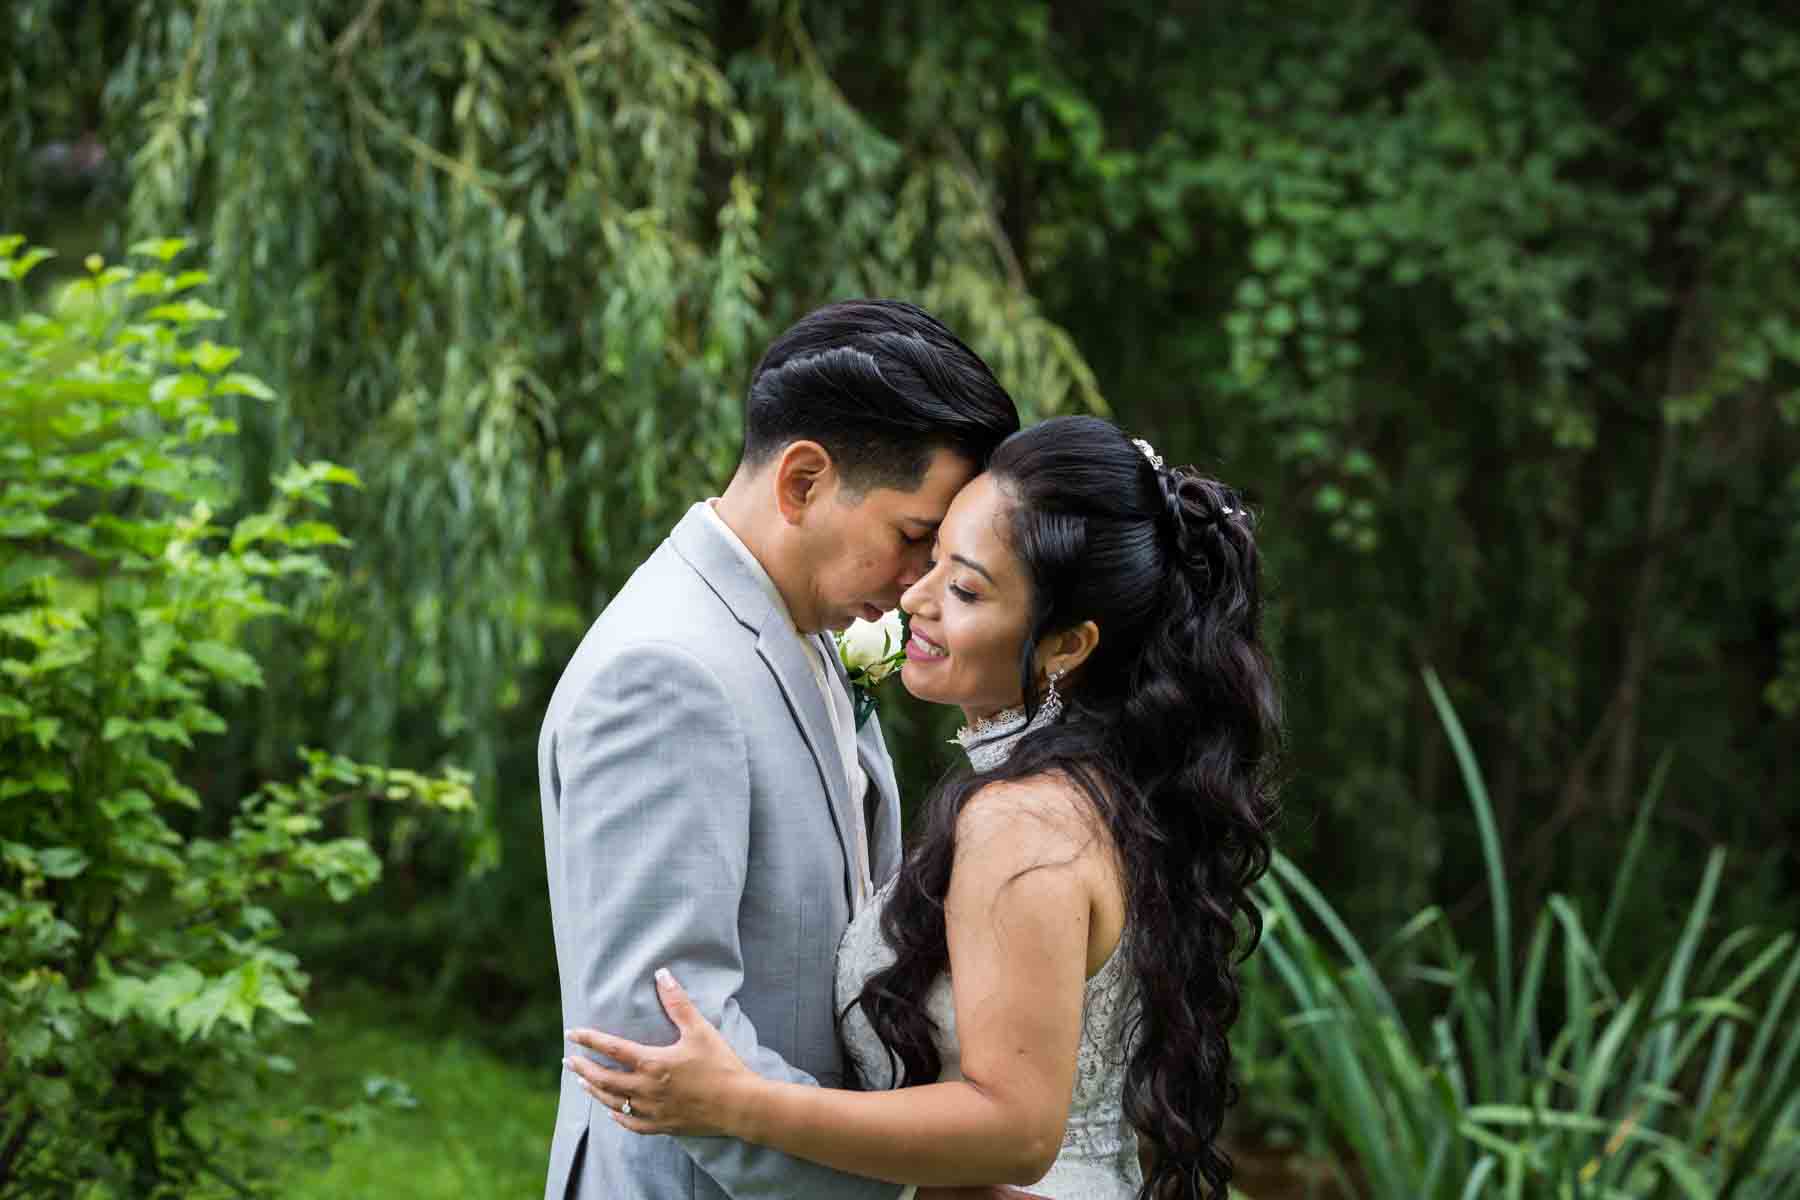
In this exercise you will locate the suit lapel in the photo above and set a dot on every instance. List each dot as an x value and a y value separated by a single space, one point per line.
717 562
884 821
880 811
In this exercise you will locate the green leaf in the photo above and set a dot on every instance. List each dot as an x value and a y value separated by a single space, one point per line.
161 249
237 383
30 1044
164 730
169 989
186 386
1634 848
314 533
114 998
20 267
148 283
1677 1161
62 862
227 662
1267 252
50 780
254 528
1499 897
197 1015
200 719
245 992
283 1004
185 312
213 358
130 800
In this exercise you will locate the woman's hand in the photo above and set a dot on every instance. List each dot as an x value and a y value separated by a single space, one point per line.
697 1086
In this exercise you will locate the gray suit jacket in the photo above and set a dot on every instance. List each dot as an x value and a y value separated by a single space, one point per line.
696 816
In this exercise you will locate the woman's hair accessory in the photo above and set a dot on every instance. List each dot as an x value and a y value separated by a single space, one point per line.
1149 452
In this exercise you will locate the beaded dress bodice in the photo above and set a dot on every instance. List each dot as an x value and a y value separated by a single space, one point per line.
1098 1160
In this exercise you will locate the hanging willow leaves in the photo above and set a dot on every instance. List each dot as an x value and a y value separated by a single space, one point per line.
511 261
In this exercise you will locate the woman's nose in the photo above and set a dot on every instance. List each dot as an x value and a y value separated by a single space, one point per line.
916 599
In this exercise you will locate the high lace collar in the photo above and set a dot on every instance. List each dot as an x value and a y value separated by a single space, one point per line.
989 742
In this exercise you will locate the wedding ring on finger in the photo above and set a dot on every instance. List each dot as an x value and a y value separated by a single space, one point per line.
625 1108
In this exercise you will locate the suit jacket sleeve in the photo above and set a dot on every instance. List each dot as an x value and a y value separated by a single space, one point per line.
655 834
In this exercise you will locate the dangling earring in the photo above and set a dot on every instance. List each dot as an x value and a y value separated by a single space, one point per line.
1053 701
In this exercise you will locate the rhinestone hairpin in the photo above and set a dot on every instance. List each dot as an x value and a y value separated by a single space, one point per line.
1149 452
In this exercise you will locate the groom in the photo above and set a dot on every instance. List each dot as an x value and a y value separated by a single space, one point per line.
709 804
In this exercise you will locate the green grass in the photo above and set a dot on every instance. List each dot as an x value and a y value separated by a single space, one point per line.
480 1126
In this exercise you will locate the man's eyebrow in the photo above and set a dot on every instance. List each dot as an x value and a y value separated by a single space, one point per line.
973 566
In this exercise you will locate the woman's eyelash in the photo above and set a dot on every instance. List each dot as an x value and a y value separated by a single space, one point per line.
961 593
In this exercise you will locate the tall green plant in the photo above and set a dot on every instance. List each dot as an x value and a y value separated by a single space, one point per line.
141 965
1568 1080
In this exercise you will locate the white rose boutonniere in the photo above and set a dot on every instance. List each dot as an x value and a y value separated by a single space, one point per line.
870 652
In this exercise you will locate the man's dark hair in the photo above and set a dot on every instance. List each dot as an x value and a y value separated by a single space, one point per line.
881 385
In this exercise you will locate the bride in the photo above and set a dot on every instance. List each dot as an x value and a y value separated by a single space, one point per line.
1041 995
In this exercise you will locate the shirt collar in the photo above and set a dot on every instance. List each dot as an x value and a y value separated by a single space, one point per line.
751 563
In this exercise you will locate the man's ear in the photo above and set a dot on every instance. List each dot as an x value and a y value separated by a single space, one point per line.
801 476
1065 651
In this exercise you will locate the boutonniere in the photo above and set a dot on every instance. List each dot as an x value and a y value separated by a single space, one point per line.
870 652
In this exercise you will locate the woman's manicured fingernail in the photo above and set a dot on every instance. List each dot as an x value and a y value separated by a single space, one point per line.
664 977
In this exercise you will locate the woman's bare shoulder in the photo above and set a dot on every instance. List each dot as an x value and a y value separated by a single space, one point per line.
1041 819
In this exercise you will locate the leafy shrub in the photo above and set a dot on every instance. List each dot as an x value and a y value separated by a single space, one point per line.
1562 1080
141 967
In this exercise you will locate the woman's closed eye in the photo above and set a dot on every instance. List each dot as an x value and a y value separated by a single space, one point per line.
957 590
960 592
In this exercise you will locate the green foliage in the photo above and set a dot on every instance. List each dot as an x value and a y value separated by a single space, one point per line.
525 313
1572 1080
524 309
1488 306
142 964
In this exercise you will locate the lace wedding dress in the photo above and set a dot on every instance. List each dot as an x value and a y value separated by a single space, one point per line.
1098 1160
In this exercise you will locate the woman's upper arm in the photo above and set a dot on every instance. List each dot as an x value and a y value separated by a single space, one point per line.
1017 913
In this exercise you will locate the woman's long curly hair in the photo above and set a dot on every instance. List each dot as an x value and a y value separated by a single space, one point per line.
1171 729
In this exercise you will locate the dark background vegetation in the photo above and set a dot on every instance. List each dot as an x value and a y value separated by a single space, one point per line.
1490 307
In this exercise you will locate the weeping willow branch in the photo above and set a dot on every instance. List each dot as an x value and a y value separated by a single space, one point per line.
514 270
470 176
353 33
